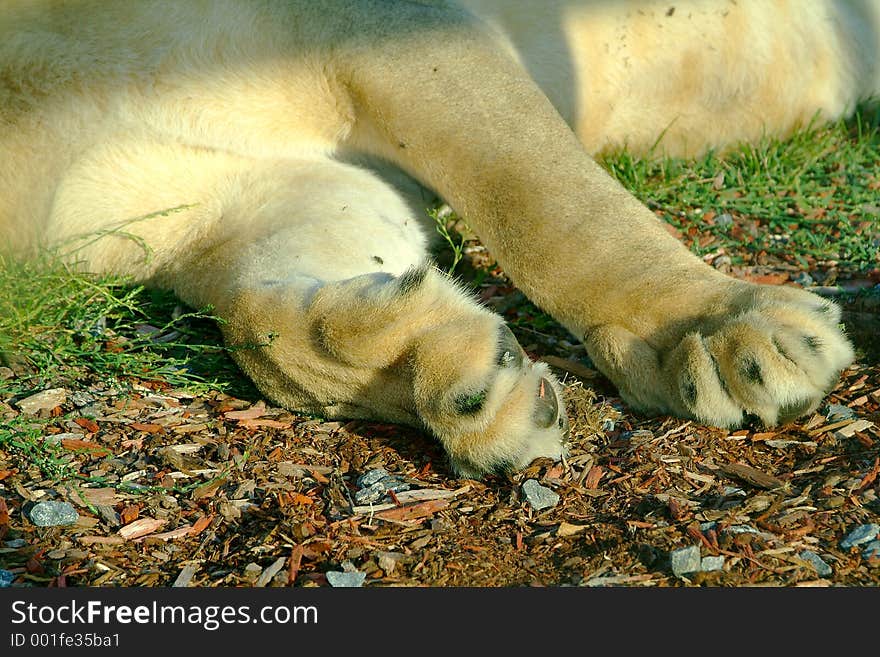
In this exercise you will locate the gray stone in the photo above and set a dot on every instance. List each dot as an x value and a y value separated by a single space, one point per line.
859 535
803 279
16 543
53 514
370 477
723 219
339 579
538 496
818 563
375 485
685 560
7 577
711 564
45 400
80 398
746 529
871 550
838 412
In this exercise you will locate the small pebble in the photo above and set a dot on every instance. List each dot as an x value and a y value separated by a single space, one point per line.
538 496
340 579
16 543
818 563
838 412
711 564
685 560
7 577
859 535
723 220
45 400
803 279
741 529
871 550
53 514
370 477
375 485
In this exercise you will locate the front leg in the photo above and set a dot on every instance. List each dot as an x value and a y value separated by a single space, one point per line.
674 335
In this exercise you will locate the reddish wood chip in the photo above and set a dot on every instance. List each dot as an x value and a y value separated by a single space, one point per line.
255 411
767 279
256 424
201 524
89 425
141 527
296 556
751 475
147 427
180 532
6 473
413 511
101 540
83 445
593 477
129 514
869 478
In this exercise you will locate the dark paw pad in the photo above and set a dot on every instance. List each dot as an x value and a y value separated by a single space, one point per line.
812 343
752 373
470 404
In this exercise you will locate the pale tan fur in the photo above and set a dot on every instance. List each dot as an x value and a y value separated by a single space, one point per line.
286 138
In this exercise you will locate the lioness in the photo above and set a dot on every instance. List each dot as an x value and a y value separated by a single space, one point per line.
294 139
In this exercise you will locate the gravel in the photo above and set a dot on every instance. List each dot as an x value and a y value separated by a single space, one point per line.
53 514
6 578
340 579
710 564
45 400
538 496
374 486
821 567
859 535
871 550
685 560
838 412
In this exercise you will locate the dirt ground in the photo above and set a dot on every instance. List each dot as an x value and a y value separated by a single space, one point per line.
227 491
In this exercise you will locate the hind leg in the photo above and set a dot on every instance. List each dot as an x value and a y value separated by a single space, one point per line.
330 308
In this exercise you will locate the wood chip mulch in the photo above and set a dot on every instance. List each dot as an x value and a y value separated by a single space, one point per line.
218 491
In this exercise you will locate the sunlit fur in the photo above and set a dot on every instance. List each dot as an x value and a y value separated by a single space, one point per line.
273 160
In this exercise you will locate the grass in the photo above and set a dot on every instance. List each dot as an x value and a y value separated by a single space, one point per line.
61 327
814 197
808 199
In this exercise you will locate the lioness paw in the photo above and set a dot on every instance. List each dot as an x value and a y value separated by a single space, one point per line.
775 358
500 416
